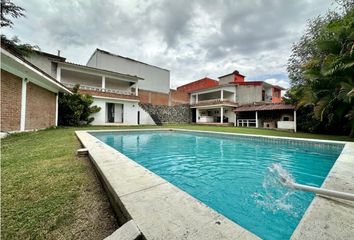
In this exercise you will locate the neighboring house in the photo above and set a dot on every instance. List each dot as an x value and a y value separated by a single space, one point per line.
234 100
29 96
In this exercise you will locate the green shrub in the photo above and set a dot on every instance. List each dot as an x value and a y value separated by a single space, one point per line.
75 109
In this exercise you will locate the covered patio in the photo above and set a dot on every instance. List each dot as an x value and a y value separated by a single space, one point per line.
271 116
213 114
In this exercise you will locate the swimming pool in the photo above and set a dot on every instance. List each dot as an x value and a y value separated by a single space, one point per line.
227 172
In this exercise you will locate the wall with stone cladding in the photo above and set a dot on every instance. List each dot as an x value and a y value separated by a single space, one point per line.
167 114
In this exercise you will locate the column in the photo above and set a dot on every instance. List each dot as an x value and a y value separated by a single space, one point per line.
294 120
59 74
196 115
235 122
136 89
56 108
103 82
256 119
222 95
23 104
221 115
196 98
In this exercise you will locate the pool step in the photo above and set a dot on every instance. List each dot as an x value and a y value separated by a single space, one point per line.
82 152
129 231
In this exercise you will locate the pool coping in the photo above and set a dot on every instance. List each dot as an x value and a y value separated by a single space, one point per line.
163 211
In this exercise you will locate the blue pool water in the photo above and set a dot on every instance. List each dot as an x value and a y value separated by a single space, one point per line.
231 173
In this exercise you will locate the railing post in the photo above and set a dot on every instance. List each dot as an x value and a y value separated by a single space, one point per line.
103 82
221 115
294 120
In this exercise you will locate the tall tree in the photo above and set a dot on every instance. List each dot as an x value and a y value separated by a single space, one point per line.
10 10
322 67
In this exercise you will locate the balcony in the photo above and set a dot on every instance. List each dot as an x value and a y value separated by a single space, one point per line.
215 102
103 90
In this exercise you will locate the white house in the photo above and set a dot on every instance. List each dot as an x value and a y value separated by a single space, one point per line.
115 93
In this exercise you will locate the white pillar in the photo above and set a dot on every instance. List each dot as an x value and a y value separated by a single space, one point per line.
235 96
23 104
59 74
196 98
294 120
235 122
222 95
196 115
221 115
136 89
103 82
256 119
56 109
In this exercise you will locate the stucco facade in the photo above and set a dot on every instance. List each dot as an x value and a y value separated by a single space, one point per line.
156 79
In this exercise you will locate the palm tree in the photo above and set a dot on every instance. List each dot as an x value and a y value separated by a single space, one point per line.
329 74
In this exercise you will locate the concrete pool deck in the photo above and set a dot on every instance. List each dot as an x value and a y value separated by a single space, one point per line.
163 211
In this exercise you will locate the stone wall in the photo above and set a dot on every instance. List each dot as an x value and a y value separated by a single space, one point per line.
167 114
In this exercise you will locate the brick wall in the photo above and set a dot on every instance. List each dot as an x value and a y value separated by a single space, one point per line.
178 97
171 99
10 101
154 98
40 108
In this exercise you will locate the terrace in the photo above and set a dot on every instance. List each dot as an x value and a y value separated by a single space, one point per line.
97 81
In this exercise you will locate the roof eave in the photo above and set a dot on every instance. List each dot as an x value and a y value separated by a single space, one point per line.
40 74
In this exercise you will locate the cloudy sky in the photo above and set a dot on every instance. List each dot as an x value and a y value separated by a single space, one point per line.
192 39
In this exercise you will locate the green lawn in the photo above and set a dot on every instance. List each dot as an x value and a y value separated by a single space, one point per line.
48 192
259 131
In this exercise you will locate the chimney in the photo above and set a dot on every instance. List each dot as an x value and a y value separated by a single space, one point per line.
238 77
58 53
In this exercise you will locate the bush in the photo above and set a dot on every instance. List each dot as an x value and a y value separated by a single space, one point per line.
75 109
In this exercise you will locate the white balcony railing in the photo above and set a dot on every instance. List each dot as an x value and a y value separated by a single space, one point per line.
246 122
107 90
213 101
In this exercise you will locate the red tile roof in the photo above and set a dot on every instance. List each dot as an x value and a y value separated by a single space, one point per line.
198 85
264 107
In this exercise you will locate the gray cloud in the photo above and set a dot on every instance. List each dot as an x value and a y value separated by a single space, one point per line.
191 38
